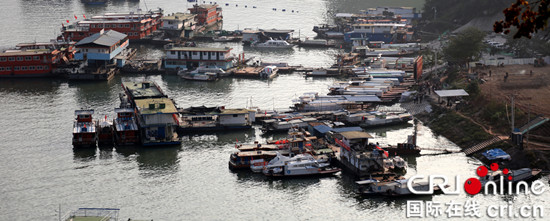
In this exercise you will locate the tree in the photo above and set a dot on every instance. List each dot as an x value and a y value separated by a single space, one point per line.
465 47
527 17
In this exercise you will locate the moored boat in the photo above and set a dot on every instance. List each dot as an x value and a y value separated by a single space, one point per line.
392 187
299 165
126 128
84 130
196 76
105 132
273 44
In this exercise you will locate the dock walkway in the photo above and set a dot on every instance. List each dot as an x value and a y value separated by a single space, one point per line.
481 146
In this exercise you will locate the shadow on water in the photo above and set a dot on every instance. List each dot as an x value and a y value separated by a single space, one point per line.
30 86
84 154
158 159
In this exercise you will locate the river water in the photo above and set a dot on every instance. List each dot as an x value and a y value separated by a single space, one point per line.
40 171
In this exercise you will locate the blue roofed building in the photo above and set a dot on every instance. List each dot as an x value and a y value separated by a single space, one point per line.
102 48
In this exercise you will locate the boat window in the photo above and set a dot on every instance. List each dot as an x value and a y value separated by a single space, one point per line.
107 26
3 59
19 58
126 25
46 67
36 58
135 34
194 53
8 68
120 26
23 68
40 68
100 26
235 115
1 68
31 68
11 58
16 68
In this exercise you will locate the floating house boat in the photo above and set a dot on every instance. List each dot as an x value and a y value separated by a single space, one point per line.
84 130
215 118
359 157
136 25
392 188
158 121
35 59
126 127
188 58
207 14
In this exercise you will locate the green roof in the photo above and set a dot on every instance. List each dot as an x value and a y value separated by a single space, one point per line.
144 106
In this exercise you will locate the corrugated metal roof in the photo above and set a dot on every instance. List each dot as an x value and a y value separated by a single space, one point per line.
345 129
108 38
355 135
452 93
362 98
322 128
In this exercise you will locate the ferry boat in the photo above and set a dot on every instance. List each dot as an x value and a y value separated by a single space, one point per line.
273 44
84 129
105 132
299 165
136 25
126 128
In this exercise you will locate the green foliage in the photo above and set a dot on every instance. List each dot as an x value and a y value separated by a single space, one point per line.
527 17
465 47
473 89
461 131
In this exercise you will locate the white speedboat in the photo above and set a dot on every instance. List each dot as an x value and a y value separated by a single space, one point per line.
391 188
273 44
208 76
299 165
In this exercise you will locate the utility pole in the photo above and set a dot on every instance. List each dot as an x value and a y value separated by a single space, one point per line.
528 121
512 98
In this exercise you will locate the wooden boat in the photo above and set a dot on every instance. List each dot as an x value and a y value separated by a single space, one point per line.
105 133
84 130
125 127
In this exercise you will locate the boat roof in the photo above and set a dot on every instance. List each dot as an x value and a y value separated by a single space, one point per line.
143 89
355 135
235 111
25 52
176 48
124 110
107 38
84 112
143 106
179 16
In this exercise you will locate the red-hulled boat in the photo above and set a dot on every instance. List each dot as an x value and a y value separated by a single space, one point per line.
84 130
126 128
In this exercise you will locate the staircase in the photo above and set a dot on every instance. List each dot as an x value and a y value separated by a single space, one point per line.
481 146
539 120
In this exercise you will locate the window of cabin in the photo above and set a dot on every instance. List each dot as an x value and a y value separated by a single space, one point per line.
93 26
28 58
39 68
235 115
8 68
135 34
16 68
31 68
11 59
36 58
46 67
19 58
126 25
173 52
23 68
194 53
3 59
107 26
100 26
1 68
120 25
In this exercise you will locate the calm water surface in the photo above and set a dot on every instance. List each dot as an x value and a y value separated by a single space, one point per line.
40 170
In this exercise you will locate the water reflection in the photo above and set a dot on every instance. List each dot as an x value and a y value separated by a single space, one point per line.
84 154
29 86
155 160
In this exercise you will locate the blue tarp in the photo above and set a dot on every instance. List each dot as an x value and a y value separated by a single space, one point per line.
495 154
322 128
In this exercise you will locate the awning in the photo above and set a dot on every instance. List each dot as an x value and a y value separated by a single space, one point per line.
452 93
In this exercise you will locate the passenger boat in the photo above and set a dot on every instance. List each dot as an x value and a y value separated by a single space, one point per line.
299 165
273 44
384 119
285 124
392 188
126 128
105 134
34 59
211 69
84 129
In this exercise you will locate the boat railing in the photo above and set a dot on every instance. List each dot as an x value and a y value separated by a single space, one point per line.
105 214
